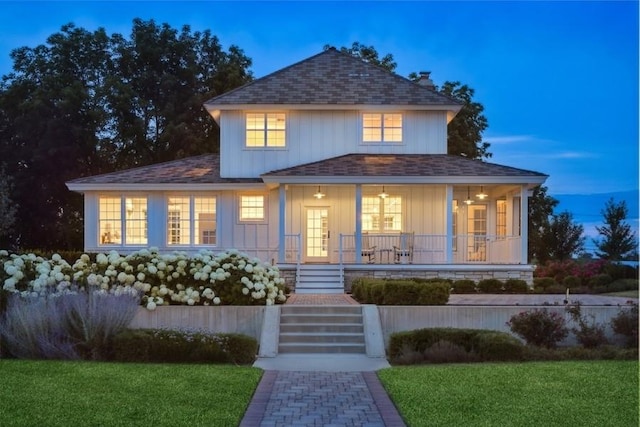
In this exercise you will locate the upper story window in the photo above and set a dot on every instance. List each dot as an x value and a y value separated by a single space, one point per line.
266 129
122 220
382 127
381 215
252 208
191 220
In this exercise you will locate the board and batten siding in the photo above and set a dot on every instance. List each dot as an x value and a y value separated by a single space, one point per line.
318 135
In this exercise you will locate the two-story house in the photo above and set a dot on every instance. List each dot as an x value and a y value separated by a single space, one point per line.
331 168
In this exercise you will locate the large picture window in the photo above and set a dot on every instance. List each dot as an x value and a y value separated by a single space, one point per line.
122 220
381 215
379 127
191 220
265 130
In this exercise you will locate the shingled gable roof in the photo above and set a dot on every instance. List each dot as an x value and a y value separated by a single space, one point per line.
406 168
333 78
198 170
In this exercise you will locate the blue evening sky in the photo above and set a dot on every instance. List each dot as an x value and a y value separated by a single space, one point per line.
559 80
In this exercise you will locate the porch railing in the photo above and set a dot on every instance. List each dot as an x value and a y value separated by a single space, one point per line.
391 248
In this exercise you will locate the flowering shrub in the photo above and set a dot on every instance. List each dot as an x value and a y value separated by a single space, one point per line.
541 328
561 269
206 278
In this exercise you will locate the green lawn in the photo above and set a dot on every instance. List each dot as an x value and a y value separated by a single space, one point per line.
627 294
581 394
54 393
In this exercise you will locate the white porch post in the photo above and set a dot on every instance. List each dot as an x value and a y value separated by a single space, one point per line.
282 205
524 224
358 236
448 221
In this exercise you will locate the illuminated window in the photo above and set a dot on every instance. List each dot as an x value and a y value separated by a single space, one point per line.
501 218
122 216
378 127
265 129
191 221
454 225
380 215
252 208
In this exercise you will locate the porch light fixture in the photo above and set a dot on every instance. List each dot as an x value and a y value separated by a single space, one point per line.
481 195
383 195
468 201
319 194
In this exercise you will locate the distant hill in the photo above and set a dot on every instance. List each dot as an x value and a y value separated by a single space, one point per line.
587 210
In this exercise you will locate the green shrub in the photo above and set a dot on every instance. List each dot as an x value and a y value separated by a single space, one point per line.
490 286
401 292
621 285
497 346
599 280
516 286
376 293
625 323
539 327
421 339
540 284
588 333
434 293
167 346
572 282
464 286
620 271
358 289
445 351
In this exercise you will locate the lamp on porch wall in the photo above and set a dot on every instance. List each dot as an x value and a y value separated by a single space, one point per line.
383 195
481 195
319 194
469 200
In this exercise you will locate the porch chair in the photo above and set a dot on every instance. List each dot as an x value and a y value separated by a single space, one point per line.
404 253
368 250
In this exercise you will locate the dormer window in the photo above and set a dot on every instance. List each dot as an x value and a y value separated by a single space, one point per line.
382 127
265 130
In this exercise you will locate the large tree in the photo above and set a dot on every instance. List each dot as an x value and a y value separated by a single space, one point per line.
464 132
563 238
541 207
618 240
86 103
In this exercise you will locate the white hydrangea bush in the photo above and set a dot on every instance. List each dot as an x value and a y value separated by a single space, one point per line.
206 278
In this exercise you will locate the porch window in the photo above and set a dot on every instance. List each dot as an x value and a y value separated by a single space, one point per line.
122 220
252 208
382 127
454 225
501 218
265 129
191 220
381 215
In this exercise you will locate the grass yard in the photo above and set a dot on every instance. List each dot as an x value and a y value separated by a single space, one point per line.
56 393
627 294
592 393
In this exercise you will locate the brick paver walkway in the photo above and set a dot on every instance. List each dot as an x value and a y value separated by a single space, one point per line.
321 399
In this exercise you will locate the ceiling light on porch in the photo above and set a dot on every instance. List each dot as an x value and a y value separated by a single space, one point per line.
469 200
383 195
481 195
319 194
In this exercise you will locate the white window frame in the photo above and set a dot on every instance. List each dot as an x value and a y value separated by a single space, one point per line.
127 221
266 130
386 132
194 232
382 215
249 218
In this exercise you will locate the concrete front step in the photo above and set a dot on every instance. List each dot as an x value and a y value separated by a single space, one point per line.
321 338
321 318
319 279
321 328
321 309
336 348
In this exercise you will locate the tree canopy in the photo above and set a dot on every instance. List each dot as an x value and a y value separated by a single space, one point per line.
87 102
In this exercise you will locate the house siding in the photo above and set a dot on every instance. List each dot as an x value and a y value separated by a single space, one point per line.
318 135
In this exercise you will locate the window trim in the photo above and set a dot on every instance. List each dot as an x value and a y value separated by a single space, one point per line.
265 145
382 140
192 220
265 210
123 220
381 221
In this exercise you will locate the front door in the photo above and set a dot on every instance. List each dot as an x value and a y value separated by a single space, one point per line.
477 233
316 241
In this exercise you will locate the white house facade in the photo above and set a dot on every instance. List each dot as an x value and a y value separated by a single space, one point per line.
331 168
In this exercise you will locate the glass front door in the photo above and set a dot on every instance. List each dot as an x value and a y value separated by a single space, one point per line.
317 235
477 233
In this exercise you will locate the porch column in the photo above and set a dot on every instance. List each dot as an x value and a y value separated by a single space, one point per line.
282 204
448 223
524 224
358 236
